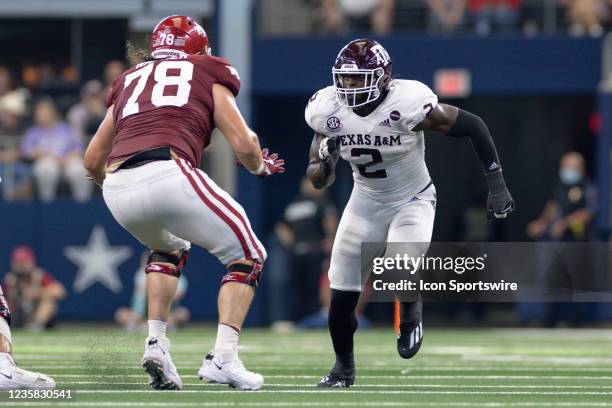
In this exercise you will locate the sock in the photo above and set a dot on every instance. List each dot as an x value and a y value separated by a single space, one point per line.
5 330
227 342
157 328
410 314
342 326
6 360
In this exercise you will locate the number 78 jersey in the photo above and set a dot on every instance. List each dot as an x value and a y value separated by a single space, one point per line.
167 102
387 156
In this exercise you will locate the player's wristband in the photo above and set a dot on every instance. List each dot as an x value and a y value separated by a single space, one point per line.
260 170
496 182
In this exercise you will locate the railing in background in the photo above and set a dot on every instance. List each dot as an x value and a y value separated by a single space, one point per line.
276 17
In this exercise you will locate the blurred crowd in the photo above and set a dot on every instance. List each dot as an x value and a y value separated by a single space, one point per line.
46 120
481 17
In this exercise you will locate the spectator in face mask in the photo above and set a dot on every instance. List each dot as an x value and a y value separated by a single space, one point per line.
567 217
568 214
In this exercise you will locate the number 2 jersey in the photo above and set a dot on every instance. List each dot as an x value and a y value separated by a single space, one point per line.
167 102
387 156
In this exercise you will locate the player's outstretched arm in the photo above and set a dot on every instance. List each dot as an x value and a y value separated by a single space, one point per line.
322 161
456 122
100 147
243 140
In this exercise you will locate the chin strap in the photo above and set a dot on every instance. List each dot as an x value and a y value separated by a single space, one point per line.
249 274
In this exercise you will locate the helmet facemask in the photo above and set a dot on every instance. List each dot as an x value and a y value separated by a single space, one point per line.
367 89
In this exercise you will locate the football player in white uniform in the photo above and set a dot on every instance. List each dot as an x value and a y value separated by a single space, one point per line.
11 376
376 123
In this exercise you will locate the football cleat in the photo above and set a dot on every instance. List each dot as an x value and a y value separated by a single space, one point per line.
334 380
232 373
158 364
409 340
411 328
15 378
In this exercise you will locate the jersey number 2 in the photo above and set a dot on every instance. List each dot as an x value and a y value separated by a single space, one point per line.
376 159
162 80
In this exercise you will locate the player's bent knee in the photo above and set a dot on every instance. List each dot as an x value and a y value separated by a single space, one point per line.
158 262
247 272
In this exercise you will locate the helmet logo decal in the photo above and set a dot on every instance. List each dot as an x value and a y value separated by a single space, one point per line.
334 124
176 36
381 55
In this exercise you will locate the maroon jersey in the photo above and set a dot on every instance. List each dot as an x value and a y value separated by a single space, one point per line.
168 102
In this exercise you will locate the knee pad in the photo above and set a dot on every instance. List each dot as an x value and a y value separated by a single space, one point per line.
247 273
178 263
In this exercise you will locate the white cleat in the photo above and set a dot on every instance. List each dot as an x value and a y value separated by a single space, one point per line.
158 364
15 378
233 373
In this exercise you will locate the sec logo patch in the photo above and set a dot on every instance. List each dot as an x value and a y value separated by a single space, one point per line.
334 124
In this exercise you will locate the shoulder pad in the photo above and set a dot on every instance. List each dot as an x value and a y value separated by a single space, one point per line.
320 106
415 101
220 70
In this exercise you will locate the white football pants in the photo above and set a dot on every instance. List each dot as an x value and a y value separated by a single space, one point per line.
168 204
369 219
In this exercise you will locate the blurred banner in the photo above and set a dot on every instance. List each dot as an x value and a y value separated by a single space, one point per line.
502 66
84 248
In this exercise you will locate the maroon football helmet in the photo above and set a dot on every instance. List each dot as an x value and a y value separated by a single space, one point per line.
176 36
361 73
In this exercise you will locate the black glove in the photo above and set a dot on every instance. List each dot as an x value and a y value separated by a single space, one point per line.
499 202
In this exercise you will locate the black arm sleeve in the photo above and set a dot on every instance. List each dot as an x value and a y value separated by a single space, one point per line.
469 125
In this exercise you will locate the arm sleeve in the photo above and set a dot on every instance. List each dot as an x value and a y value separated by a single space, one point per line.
473 127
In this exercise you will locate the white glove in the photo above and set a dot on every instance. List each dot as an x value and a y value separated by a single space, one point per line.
327 148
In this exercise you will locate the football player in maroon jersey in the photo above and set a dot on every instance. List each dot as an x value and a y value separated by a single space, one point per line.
146 156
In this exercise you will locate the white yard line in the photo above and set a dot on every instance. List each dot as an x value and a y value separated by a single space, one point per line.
383 377
385 391
295 367
317 404
358 386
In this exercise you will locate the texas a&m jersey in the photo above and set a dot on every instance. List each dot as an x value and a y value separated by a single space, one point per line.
385 152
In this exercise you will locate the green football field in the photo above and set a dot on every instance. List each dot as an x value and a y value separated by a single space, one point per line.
467 368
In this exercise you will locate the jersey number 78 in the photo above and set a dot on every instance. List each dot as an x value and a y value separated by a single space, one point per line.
162 80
